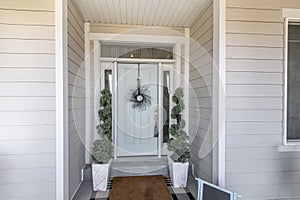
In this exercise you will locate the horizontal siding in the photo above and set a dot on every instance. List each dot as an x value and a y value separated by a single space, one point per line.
20 104
27 46
264 28
27 60
27 75
246 128
254 103
271 178
249 154
15 89
244 103
254 115
246 78
254 40
29 132
27 118
265 166
27 161
254 53
253 15
263 5
262 192
27 32
254 65
41 190
27 99
27 17
31 5
253 141
76 85
39 146
254 90
25 175
201 50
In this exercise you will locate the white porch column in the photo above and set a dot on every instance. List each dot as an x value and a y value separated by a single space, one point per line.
88 130
177 54
186 77
61 95
97 88
219 74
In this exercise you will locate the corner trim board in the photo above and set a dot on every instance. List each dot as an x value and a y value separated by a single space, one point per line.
61 95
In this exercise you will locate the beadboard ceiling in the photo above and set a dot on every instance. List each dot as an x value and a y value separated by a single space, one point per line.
162 13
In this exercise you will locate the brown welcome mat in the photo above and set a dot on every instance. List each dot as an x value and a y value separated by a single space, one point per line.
177 193
140 187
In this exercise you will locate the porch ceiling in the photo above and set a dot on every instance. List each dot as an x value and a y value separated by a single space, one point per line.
162 13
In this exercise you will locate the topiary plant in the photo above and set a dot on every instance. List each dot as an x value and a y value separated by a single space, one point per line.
178 142
102 149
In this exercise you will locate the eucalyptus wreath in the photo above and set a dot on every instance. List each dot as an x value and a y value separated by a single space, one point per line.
140 97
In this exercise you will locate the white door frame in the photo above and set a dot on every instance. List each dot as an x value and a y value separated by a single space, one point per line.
112 65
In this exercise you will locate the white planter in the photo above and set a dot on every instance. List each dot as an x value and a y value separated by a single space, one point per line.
178 173
100 174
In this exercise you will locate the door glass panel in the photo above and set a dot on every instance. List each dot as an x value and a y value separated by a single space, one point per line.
136 51
166 105
136 128
108 79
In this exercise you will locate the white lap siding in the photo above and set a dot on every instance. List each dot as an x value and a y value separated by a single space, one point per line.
27 100
254 102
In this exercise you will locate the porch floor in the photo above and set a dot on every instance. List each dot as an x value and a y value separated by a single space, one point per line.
85 192
139 166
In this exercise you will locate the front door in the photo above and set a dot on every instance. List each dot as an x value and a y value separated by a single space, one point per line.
137 132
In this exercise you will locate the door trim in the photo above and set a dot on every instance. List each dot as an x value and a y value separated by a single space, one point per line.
115 107
114 65
160 116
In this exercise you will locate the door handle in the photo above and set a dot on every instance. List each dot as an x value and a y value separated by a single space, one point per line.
155 124
155 130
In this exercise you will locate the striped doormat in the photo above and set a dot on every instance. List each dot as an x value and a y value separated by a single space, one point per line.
177 193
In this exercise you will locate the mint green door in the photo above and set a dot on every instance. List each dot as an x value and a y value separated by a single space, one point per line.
136 127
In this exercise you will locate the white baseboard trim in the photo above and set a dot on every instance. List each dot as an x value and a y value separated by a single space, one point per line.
81 181
82 172
76 190
288 198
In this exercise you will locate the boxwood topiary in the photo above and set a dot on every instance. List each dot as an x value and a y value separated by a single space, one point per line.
102 149
178 142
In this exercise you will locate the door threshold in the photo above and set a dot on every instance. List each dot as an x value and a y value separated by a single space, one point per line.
139 158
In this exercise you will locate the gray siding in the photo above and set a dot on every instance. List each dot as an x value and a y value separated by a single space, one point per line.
76 82
254 102
200 109
27 100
